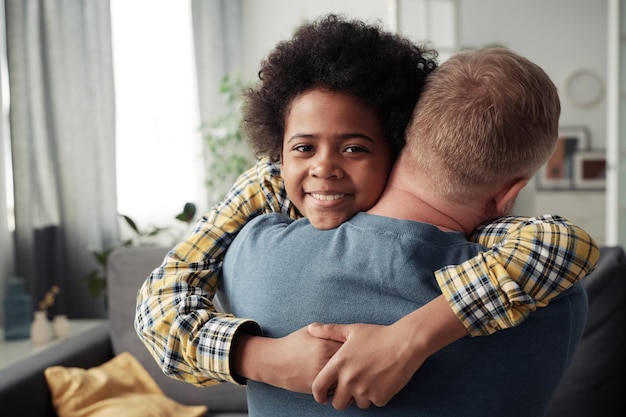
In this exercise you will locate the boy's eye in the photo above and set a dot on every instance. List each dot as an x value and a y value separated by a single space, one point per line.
303 148
354 149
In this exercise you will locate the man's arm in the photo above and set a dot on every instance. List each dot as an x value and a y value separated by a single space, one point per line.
375 362
175 316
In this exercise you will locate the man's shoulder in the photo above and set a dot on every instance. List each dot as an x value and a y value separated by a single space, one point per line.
269 219
266 225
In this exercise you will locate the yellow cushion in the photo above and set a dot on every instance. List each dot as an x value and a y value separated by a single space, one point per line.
119 387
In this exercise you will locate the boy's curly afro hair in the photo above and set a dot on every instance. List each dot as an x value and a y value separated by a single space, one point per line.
383 69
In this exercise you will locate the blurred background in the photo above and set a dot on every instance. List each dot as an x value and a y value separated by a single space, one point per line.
115 107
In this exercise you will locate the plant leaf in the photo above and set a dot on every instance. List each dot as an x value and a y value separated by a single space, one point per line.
131 223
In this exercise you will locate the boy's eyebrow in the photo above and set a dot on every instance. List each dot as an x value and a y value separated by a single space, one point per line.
301 136
342 136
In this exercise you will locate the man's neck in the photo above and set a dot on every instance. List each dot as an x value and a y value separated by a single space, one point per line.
408 200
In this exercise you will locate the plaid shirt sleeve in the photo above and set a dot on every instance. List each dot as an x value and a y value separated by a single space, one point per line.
175 316
530 262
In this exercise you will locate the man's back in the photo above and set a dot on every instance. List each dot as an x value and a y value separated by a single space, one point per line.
376 270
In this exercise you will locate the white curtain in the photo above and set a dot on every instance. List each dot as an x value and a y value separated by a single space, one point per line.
217 29
63 144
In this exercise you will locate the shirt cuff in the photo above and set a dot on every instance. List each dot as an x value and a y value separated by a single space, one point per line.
216 345
483 307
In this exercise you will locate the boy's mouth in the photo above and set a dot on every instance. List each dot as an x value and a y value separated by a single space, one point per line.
327 197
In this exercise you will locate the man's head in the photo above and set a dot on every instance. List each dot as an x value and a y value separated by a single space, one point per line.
486 119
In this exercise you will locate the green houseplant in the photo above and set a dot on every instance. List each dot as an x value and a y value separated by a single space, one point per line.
228 155
96 279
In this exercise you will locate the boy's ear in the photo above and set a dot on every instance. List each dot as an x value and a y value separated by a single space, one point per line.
506 197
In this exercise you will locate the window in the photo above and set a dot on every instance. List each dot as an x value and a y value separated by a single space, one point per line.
159 147
432 20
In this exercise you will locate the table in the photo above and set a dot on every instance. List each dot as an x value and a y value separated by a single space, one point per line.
12 351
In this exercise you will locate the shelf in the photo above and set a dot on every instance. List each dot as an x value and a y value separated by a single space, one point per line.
15 350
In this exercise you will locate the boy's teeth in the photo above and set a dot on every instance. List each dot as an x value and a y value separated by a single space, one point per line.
327 197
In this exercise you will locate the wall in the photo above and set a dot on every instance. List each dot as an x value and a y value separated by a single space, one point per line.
561 36
266 23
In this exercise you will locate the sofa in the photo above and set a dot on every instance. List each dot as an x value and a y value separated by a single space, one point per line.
24 383
592 385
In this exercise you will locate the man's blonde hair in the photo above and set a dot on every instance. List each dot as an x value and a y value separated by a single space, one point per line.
485 116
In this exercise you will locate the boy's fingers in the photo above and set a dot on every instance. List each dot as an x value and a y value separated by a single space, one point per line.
335 332
324 385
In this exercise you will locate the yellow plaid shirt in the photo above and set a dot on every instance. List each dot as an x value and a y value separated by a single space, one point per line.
528 262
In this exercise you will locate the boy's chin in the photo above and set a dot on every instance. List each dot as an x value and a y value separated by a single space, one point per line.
328 221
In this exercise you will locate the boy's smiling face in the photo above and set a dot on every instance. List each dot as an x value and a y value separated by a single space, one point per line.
335 157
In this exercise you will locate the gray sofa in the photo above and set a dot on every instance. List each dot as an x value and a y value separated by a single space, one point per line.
592 385
24 383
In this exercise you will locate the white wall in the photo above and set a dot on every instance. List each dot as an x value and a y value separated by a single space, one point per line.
560 36
265 23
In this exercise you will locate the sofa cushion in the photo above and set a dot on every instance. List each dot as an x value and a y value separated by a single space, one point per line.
120 386
593 383
24 382
127 269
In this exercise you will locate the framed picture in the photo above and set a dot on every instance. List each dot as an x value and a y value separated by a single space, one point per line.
558 172
590 170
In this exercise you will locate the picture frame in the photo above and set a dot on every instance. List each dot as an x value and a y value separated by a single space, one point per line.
590 170
558 172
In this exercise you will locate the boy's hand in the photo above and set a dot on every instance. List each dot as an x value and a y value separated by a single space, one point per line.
368 369
291 362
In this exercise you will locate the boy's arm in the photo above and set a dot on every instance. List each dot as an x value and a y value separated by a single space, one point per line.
530 261
175 316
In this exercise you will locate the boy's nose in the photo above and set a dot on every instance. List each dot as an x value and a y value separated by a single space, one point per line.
326 168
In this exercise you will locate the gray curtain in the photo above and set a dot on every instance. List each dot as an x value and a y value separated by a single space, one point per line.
63 144
6 238
6 242
217 30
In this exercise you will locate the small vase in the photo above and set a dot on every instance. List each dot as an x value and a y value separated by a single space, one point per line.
61 326
17 310
40 329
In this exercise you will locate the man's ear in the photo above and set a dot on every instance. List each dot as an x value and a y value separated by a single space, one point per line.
506 197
